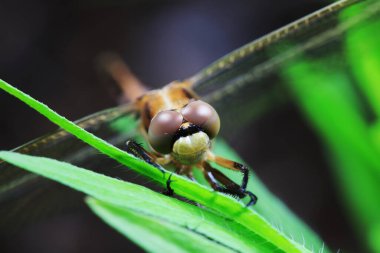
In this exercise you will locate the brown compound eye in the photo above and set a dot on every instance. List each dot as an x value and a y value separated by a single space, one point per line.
162 129
204 115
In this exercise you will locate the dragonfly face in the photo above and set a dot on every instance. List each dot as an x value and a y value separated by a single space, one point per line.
170 132
179 128
179 124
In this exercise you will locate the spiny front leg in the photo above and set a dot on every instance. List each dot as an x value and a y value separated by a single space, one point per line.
214 177
169 191
138 151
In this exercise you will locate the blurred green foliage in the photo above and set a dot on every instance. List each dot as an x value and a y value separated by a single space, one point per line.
339 92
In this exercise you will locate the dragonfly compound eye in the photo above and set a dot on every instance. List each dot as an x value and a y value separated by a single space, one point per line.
203 115
162 129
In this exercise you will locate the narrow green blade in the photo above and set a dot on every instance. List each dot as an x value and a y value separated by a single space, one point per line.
166 213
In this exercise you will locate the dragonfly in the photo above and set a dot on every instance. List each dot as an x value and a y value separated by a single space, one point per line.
179 128
247 76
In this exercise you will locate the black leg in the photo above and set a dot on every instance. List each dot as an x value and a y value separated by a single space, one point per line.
169 191
253 198
245 171
138 151
214 177
234 166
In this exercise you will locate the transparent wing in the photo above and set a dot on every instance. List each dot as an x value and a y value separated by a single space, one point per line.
247 80
34 197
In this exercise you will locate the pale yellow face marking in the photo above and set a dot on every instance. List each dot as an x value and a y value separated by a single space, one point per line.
191 149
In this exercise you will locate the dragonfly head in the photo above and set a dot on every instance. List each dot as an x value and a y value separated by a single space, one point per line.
185 133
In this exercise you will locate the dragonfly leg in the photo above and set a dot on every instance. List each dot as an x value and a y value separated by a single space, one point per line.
169 191
232 165
214 177
138 151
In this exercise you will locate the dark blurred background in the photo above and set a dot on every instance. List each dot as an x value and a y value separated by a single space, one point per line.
48 49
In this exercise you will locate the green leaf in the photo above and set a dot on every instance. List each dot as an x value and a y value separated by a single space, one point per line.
138 202
167 236
163 235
